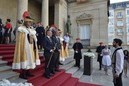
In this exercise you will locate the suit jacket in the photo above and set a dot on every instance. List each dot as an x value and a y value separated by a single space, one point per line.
48 45
57 43
99 51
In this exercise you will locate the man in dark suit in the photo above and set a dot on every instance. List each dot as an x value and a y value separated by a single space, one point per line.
56 55
40 35
48 53
57 51
99 51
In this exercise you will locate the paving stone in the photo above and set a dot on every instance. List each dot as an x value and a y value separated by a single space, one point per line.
78 73
2 63
67 66
5 68
9 75
68 60
19 80
72 70
97 76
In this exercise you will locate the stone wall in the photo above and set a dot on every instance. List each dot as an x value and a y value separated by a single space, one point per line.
35 10
8 9
98 10
61 15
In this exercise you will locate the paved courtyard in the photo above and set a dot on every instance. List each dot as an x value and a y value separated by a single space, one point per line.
97 76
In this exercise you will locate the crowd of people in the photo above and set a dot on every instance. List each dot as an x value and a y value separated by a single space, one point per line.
30 39
5 32
119 60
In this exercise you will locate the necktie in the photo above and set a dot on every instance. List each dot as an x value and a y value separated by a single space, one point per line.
50 39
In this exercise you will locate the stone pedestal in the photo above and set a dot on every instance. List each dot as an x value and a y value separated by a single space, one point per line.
88 65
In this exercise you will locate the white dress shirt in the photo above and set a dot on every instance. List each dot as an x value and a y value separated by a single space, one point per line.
66 39
119 61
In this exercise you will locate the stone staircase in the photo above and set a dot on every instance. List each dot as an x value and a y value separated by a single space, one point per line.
75 71
6 71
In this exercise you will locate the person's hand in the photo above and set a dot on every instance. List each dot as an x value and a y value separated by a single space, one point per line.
51 50
76 51
116 75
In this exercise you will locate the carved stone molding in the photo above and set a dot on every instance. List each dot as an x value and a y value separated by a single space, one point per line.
81 1
84 16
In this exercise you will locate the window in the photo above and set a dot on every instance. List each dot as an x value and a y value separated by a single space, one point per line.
119 32
119 15
128 40
127 20
110 39
120 23
127 12
127 28
127 5
111 13
85 31
111 21
111 30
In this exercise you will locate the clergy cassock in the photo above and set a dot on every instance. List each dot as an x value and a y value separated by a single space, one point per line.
26 53
77 52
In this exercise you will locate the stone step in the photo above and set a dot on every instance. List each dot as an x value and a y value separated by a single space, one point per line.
72 70
67 66
9 75
18 80
78 74
68 60
3 63
4 68
1 57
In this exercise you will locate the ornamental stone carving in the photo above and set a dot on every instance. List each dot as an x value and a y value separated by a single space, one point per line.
84 16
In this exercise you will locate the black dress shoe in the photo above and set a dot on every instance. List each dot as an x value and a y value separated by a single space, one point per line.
30 75
57 70
79 67
60 63
53 72
23 76
75 65
47 76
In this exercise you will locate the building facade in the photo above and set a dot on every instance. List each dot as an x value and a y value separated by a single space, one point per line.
89 21
88 18
118 26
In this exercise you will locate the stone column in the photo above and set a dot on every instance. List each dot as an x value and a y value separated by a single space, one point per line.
45 12
57 17
22 7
